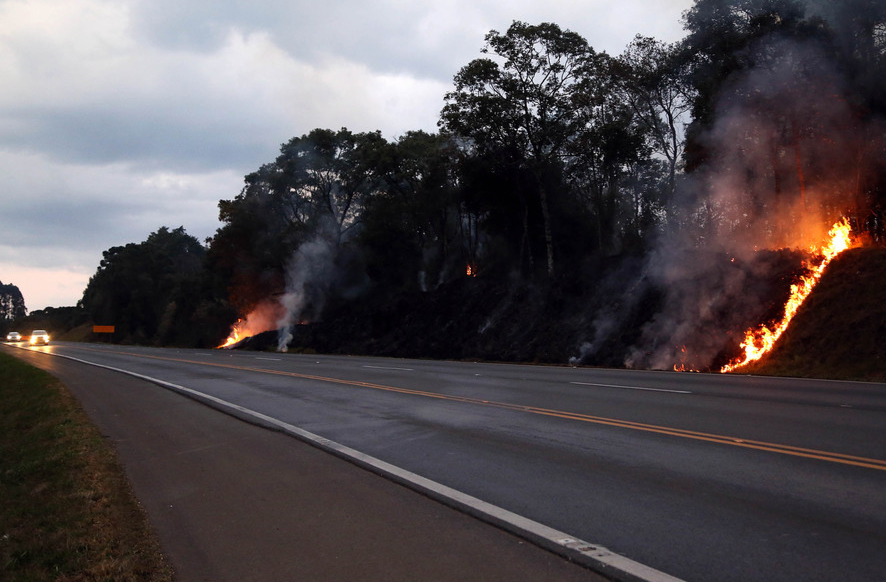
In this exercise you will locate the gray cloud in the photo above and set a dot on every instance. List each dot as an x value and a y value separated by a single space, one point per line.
418 38
121 116
152 138
422 39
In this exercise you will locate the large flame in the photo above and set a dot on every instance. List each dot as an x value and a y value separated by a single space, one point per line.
759 341
263 317
237 334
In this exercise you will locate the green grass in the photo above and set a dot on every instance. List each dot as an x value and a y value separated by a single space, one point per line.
67 512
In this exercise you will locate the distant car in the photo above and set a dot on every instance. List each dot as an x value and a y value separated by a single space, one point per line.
39 336
13 336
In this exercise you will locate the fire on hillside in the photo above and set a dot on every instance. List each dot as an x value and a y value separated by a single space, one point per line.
263 317
235 337
760 340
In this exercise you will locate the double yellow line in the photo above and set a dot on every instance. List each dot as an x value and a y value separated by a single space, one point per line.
840 458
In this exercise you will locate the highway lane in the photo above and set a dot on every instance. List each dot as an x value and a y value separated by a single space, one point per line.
705 477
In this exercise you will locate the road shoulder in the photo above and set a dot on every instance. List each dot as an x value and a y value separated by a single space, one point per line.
232 501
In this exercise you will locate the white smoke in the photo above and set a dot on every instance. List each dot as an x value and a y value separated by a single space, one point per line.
604 325
309 275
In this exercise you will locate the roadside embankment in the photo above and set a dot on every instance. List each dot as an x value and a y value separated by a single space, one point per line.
840 331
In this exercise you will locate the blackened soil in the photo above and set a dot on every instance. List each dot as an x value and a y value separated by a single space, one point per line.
840 332
478 318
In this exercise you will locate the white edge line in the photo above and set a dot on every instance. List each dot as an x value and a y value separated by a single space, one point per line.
593 556
389 368
632 387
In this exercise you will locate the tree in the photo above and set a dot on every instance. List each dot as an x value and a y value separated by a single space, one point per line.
721 41
315 191
648 78
327 177
613 142
12 304
782 112
135 286
415 232
859 29
525 104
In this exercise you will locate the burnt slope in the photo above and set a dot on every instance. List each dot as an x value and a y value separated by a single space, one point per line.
594 316
840 332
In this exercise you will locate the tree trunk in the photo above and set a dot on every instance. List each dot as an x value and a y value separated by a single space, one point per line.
672 156
549 238
525 248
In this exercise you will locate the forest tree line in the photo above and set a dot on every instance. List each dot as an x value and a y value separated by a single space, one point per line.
550 159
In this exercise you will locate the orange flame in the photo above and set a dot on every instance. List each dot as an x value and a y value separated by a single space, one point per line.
235 335
470 271
759 341
263 317
682 366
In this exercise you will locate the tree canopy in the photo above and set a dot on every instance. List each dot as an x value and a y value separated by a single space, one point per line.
553 162
525 105
142 288
12 304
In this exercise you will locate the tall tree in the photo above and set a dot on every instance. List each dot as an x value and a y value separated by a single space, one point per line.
135 286
12 304
648 78
613 142
525 100
720 43
782 111
415 232
327 177
316 189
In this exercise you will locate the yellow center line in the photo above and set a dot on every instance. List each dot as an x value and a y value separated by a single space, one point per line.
840 458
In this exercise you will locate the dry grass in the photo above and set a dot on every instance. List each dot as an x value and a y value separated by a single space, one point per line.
66 509
840 332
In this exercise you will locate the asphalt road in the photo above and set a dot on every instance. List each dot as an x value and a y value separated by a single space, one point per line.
233 502
704 477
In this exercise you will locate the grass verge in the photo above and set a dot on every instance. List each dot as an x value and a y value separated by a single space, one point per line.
67 512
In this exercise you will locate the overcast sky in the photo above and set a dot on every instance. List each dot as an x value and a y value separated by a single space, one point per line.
118 117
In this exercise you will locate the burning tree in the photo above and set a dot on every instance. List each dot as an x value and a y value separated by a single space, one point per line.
784 112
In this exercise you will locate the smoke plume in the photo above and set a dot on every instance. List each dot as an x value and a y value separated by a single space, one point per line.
784 156
309 276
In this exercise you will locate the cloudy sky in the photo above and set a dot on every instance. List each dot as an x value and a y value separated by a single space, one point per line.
118 117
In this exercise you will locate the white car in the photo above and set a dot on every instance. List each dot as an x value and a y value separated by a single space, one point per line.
39 336
13 336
